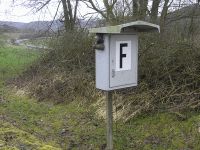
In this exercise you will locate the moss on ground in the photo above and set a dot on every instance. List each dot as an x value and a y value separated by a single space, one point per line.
12 137
76 127
160 131
63 125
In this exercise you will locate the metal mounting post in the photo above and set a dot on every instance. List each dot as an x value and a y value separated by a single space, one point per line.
109 112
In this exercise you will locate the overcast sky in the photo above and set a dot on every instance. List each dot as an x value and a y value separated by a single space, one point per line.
18 13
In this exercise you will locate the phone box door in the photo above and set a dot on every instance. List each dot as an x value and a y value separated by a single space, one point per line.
123 61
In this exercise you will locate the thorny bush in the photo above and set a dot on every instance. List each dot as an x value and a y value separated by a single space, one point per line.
169 75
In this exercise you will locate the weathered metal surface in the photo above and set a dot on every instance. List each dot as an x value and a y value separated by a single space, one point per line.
132 27
108 76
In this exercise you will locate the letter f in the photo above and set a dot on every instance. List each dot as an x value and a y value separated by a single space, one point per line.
121 53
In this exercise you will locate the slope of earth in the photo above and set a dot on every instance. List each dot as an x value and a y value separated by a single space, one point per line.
13 60
26 123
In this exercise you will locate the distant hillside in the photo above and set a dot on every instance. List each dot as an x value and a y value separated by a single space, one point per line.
7 28
184 23
35 26
183 14
45 25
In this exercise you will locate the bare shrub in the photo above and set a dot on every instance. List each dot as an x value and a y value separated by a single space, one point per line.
168 76
67 71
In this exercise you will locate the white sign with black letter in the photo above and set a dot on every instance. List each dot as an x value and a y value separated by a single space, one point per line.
117 64
123 55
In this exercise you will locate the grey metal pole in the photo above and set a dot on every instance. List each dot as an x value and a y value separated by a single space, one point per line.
109 111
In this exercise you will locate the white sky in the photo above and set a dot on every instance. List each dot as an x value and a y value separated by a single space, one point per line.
18 13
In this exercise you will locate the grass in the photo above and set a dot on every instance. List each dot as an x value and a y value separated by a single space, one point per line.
26 123
70 125
30 124
60 125
14 138
161 131
13 60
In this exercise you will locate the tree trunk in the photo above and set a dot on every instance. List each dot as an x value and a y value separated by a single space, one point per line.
135 8
163 16
154 10
143 9
110 17
66 14
69 16
108 12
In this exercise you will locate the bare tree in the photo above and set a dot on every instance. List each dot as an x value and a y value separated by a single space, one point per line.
137 9
164 14
107 12
154 10
70 9
135 6
70 14
143 9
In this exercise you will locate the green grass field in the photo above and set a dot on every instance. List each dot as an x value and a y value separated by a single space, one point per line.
27 124
14 60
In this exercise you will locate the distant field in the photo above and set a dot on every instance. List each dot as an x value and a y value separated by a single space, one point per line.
38 42
12 35
13 60
7 36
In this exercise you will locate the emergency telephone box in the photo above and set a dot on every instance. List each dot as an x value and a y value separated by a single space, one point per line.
117 54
